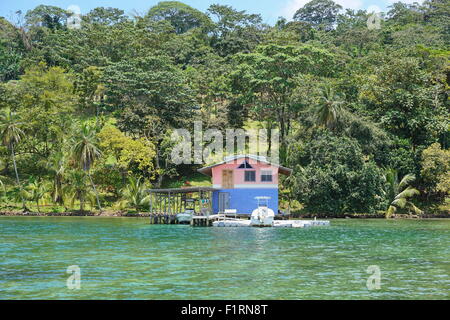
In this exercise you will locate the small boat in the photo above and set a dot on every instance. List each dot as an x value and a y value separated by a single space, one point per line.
185 217
262 216
232 223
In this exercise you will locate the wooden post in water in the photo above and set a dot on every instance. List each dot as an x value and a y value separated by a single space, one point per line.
151 203
175 210
165 204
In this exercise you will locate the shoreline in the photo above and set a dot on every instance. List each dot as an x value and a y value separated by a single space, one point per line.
118 214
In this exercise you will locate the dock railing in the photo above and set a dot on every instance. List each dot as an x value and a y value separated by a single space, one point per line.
230 211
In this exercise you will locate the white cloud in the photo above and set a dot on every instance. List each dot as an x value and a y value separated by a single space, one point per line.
74 9
373 9
292 6
350 4
404 1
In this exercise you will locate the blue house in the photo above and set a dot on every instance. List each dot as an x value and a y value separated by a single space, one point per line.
240 178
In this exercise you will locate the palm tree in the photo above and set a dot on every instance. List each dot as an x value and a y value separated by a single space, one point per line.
35 191
4 189
329 108
11 134
1 181
57 165
85 152
77 189
135 193
400 193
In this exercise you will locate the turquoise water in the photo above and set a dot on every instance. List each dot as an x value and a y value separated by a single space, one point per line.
126 258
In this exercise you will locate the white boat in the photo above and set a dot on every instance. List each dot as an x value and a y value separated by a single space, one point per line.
276 224
232 223
185 217
262 216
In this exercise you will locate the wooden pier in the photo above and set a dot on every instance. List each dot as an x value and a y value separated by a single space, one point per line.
163 219
165 204
204 221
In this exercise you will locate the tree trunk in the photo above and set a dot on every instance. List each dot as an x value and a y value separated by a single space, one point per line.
81 203
24 207
95 190
57 197
159 181
269 137
282 125
158 167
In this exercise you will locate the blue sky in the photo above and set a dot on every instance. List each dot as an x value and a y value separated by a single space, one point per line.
269 9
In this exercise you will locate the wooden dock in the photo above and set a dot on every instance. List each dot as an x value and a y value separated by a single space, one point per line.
165 204
204 221
197 221
156 218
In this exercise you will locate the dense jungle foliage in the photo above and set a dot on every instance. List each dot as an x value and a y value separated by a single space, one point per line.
86 113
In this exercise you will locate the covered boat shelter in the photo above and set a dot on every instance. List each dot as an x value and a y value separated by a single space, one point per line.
176 200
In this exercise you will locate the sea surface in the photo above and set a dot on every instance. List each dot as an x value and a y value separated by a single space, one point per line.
127 258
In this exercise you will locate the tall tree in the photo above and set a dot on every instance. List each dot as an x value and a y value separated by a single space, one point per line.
435 171
44 99
181 16
56 164
266 79
331 175
406 99
11 134
146 87
105 16
321 14
235 31
50 17
77 189
85 152
36 190
329 109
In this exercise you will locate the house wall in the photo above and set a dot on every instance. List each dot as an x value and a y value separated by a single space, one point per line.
242 196
239 174
243 200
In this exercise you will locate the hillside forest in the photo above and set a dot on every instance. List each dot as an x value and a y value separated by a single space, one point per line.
87 112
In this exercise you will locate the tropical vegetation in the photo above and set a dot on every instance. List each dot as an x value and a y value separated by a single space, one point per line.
87 112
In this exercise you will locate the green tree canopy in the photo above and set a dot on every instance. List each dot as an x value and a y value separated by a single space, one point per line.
181 16
142 88
321 14
105 16
332 175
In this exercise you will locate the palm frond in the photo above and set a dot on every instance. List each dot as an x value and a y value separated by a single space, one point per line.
408 193
407 179
391 210
400 198
400 203
412 207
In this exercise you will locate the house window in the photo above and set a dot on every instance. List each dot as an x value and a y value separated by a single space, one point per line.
250 176
245 165
266 175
